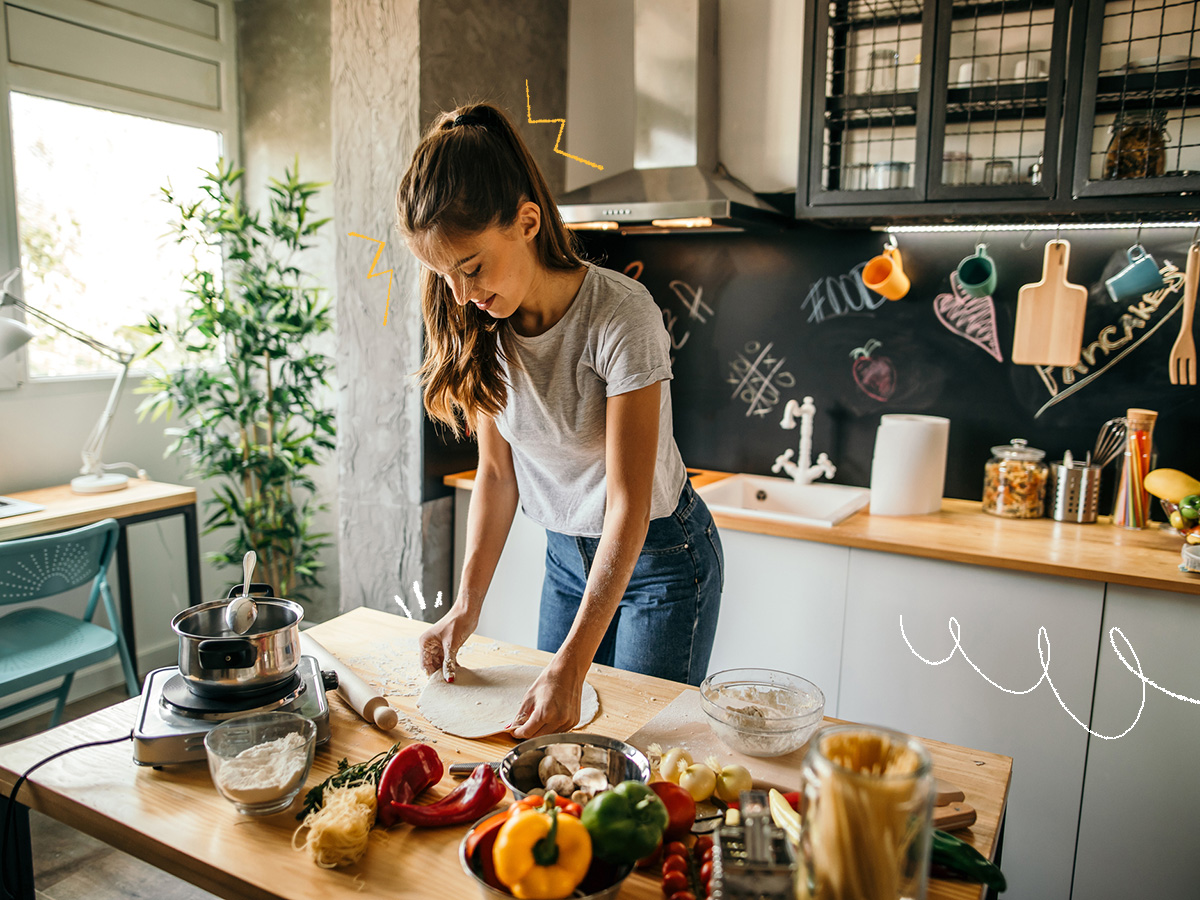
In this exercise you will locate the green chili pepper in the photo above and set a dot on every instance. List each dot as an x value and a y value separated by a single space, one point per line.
965 862
625 823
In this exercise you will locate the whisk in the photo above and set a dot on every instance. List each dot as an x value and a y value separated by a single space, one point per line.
1109 442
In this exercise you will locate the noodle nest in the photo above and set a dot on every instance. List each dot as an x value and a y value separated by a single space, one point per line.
338 832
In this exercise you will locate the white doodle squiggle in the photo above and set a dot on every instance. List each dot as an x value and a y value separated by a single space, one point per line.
1043 644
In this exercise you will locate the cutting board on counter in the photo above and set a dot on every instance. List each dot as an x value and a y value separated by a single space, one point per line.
682 723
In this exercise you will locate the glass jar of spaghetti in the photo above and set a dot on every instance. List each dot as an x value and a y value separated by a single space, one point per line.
1014 481
866 824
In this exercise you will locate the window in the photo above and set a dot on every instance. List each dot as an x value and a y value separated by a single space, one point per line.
95 232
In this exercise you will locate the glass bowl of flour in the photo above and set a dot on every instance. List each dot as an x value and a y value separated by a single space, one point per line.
259 762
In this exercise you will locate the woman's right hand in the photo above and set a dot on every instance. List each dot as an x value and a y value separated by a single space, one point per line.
439 644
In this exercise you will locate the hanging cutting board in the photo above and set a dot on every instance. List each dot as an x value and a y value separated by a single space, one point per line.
1049 327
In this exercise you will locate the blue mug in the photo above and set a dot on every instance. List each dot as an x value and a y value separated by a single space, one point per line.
1140 277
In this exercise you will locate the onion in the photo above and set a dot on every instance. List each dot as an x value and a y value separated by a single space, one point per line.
673 764
699 781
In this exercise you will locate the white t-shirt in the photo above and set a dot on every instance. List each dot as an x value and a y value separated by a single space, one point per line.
610 341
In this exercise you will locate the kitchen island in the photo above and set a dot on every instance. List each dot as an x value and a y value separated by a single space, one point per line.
174 818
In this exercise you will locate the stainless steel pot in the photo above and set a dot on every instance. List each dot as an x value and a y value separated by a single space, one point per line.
216 662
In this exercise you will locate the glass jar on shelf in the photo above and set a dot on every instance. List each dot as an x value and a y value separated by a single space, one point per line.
1138 147
1014 481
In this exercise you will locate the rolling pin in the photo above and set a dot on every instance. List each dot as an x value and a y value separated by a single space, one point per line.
353 690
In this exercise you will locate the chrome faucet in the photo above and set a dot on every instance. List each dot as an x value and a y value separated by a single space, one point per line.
803 471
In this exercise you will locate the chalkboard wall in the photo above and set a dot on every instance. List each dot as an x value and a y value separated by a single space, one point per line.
757 319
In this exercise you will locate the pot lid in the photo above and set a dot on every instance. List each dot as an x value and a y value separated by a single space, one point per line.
1018 449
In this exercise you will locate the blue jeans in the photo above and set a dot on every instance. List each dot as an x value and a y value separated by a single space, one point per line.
668 617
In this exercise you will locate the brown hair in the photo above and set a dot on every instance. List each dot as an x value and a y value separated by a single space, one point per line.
470 172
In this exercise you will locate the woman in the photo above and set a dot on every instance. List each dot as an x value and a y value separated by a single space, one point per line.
559 369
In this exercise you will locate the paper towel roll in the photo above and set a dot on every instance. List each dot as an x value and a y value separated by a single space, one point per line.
908 470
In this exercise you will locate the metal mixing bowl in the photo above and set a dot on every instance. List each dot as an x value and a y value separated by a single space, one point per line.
625 762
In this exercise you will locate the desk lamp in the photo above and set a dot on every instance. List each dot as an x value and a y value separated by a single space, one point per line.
93 477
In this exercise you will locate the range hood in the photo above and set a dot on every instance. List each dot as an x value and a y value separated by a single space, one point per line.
677 181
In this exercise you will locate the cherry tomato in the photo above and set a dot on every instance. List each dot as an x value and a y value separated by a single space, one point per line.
706 856
573 809
706 873
675 864
673 882
676 848
683 895
704 842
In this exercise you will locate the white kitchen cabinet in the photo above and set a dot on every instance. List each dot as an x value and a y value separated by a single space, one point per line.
510 612
783 608
999 613
1141 797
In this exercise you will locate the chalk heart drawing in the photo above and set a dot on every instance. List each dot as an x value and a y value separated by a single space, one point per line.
1043 646
973 318
874 375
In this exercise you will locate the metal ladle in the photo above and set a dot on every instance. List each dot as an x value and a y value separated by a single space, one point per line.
242 611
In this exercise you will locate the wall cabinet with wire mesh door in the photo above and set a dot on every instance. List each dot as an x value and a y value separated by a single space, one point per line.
998 90
1139 117
870 101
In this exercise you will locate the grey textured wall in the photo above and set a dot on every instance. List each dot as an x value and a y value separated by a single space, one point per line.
283 75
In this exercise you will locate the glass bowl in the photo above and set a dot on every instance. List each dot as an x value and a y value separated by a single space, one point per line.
602 882
761 712
259 762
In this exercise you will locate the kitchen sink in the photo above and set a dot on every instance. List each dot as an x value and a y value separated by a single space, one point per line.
783 500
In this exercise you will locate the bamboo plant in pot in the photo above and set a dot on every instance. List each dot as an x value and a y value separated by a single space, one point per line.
251 411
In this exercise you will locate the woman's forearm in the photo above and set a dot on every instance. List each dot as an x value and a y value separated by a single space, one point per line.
489 518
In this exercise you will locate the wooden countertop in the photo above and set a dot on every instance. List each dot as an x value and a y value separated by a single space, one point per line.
962 532
174 818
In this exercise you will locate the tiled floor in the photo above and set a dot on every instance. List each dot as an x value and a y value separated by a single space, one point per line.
69 865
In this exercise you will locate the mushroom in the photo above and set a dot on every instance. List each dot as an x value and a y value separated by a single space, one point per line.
560 784
567 754
590 782
551 766
594 756
581 797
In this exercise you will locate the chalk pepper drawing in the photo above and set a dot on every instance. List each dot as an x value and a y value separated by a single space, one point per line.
756 378
973 318
874 375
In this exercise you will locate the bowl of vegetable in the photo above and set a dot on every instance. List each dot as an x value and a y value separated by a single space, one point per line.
492 854
761 712
574 766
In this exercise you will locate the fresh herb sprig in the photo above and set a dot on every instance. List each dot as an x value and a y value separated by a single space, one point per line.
347 776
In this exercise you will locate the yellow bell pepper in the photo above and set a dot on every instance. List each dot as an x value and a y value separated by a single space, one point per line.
541 854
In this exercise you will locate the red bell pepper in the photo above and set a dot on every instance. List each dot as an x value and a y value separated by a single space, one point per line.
467 802
413 769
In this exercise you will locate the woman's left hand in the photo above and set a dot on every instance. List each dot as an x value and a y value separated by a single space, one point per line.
552 703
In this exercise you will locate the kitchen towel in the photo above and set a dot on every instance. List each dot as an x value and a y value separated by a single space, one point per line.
908 471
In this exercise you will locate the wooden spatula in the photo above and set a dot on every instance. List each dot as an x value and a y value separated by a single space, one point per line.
1182 363
1049 327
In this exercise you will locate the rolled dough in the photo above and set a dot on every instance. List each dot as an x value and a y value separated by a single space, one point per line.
483 702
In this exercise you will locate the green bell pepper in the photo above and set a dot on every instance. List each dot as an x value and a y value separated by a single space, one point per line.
625 823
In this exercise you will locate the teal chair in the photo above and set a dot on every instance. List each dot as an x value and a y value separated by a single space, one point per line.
38 644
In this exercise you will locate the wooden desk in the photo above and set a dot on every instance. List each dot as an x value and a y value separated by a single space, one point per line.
175 820
140 502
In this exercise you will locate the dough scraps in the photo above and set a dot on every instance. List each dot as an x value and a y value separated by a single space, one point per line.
483 702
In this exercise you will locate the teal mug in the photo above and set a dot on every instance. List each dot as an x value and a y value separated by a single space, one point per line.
977 273
1141 276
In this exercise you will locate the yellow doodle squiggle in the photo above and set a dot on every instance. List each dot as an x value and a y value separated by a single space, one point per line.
373 273
561 128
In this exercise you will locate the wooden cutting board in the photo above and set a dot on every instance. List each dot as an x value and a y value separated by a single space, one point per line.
682 723
1050 312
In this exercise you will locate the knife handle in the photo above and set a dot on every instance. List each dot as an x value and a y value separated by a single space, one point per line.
462 770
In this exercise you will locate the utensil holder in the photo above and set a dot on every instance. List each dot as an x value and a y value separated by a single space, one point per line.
1074 492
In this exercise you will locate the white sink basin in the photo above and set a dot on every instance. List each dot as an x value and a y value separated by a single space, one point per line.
782 500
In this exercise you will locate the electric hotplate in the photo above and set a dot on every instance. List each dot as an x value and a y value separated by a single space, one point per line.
172 721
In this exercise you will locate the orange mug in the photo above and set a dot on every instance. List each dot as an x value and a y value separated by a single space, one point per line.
885 275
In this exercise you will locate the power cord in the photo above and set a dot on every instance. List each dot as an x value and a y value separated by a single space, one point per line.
14 891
